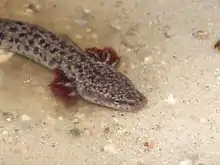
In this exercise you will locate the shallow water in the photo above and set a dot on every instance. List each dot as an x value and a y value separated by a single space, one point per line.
175 67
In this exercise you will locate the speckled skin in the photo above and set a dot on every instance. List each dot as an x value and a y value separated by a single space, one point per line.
93 80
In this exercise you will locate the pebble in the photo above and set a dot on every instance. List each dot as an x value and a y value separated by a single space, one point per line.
32 7
75 120
186 162
60 118
27 81
78 36
5 56
79 115
110 148
94 36
25 117
202 120
200 34
127 42
116 26
4 133
8 119
29 10
80 22
147 60
170 99
88 30
87 11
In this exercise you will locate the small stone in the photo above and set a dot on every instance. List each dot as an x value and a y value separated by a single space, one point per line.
4 133
203 120
200 34
116 26
25 117
5 56
33 7
27 81
170 100
147 59
127 42
29 10
116 121
80 22
79 115
60 118
110 148
133 66
50 120
75 120
94 36
8 119
87 11
186 162
88 30
78 36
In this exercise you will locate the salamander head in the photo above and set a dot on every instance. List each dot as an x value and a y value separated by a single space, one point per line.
106 87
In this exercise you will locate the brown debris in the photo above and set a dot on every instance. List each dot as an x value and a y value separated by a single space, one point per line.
200 34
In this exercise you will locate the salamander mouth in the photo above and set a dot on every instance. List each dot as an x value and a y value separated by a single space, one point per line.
132 106
138 104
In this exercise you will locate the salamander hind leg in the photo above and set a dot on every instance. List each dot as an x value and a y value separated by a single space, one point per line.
106 55
63 88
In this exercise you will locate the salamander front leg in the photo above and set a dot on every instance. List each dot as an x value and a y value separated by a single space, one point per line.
63 88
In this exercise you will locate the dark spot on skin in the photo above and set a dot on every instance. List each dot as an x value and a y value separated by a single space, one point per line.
53 37
69 67
18 47
26 48
13 29
2 36
29 33
41 54
24 28
41 41
72 50
70 58
36 35
19 23
62 53
36 50
53 50
16 40
21 34
11 39
31 42
62 44
46 46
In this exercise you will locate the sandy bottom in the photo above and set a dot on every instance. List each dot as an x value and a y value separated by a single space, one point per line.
166 49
